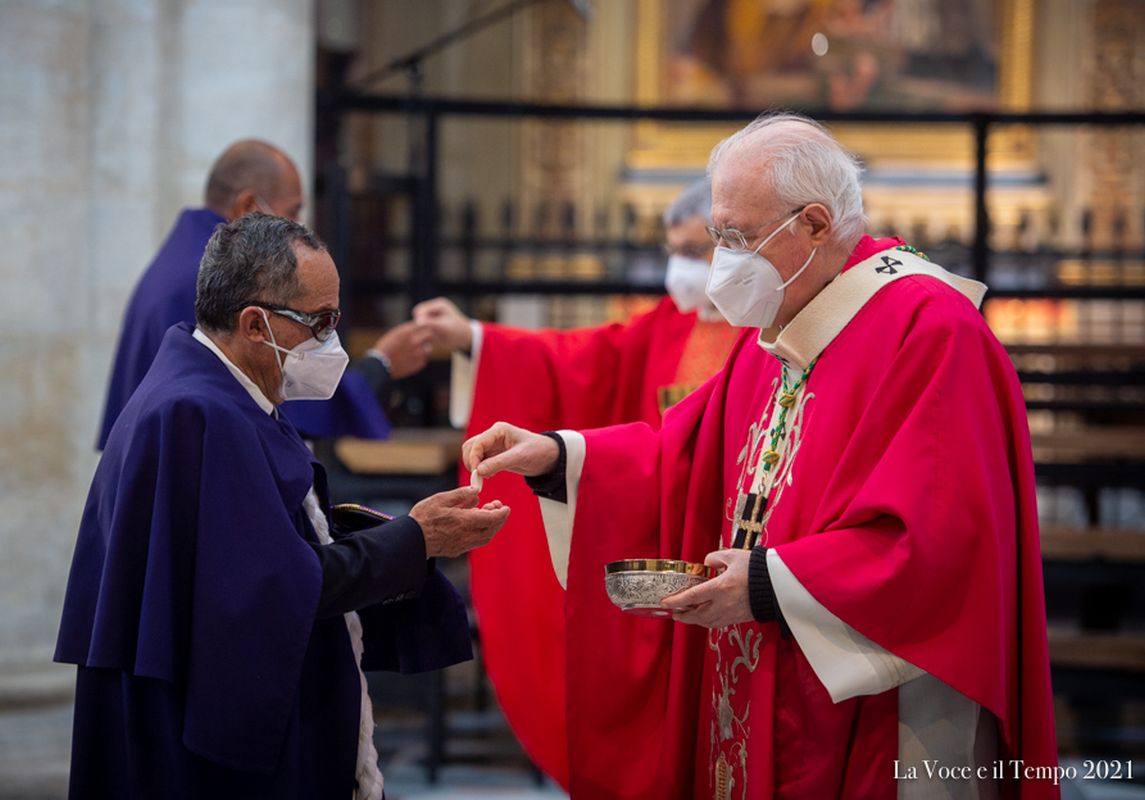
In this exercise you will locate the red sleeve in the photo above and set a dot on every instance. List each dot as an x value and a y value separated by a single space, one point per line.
542 380
643 494
582 378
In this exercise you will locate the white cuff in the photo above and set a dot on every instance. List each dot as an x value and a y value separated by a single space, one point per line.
846 662
463 379
557 516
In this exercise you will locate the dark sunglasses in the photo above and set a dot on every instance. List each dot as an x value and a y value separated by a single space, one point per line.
320 323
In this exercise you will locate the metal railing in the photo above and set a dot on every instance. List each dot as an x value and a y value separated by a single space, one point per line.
426 241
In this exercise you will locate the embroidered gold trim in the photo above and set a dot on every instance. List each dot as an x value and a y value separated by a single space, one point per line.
373 512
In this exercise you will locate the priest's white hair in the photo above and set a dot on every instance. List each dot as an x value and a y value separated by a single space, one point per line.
804 164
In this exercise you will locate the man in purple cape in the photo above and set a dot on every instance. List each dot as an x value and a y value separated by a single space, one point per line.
249 176
219 620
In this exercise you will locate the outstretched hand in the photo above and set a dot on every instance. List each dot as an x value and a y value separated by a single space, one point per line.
407 347
445 323
506 447
452 524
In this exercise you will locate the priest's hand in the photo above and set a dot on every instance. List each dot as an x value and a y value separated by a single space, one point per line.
506 447
718 602
446 324
452 524
406 348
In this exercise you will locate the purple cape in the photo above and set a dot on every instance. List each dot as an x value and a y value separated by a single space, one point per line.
190 607
165 295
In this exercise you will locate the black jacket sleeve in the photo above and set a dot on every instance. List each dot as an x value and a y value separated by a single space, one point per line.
376 565
377 377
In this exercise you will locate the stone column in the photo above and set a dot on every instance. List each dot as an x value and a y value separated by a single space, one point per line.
242 69
113 112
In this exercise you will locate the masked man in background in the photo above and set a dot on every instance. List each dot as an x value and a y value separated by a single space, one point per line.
250 176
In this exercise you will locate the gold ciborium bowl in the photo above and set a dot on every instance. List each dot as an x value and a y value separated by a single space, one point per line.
637 585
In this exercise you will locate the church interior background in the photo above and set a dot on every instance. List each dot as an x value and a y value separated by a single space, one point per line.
1002 137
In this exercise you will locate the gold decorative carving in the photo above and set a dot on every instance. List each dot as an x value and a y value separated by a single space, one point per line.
553 153
1115 71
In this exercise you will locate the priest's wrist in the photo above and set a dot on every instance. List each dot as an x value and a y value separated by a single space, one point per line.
552 485
465 341
761 595
373 352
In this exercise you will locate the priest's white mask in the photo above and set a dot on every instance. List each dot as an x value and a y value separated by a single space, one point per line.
312 369
685 281
746 287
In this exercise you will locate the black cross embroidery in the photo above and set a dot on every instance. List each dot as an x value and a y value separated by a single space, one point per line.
750 522
889 265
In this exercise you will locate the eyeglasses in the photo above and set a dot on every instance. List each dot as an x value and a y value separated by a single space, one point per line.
320 323
737 240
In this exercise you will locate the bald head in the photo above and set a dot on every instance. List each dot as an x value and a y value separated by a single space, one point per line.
253 175
789 161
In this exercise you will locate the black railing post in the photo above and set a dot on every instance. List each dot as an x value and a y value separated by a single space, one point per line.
432 233
339 210
509 238
980 257
468 244
424 225
628 246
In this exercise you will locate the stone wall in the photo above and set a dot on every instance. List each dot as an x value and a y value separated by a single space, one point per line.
113 111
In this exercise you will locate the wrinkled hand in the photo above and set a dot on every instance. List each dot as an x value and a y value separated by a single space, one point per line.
407 346
452 524
718 602
448 327
506 447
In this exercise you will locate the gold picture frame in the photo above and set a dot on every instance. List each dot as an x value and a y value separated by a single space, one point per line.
676 146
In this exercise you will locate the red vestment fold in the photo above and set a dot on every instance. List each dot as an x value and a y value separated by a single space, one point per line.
909 513
553 379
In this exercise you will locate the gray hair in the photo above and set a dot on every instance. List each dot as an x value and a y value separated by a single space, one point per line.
804 164
694 201
249 259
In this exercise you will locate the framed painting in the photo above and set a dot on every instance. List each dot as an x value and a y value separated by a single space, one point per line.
840 55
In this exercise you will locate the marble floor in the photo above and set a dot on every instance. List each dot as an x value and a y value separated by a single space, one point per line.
484 762
34 747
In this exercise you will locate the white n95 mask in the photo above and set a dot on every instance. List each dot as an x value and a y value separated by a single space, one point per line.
311 370
746 287
685 281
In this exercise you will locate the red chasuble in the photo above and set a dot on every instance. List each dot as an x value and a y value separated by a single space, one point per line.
908 511
544 380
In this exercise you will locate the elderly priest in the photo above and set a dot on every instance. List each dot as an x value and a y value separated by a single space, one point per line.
219 620
859 476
